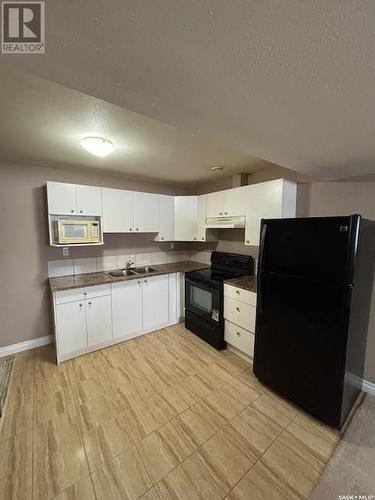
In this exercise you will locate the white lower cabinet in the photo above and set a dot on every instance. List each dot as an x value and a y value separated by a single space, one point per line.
155 301
239 315
71 327
127 308
98 316
99 320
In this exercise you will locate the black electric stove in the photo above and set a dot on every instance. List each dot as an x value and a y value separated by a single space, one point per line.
204 296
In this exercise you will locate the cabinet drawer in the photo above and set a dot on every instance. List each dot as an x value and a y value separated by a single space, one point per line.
240 294
82 293
239 338
239 313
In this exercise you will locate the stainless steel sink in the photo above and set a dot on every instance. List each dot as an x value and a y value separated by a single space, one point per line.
144 270
121 273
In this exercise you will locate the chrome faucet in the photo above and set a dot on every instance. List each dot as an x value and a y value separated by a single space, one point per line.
129 264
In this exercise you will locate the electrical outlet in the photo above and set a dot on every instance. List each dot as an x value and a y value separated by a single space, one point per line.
66 252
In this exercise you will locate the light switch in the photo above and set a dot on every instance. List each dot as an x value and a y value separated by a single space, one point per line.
66 252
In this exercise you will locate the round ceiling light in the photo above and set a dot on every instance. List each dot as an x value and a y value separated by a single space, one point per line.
217 168
98 146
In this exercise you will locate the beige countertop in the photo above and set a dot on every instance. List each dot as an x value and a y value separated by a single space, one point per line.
101 278
245 282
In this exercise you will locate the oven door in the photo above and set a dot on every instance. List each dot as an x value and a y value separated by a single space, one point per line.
204 300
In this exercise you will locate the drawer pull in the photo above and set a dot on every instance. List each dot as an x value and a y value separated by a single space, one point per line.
238 334
238 292
84 293
238 309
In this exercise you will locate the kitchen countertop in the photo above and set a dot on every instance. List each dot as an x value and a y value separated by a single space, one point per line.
101 278
245 282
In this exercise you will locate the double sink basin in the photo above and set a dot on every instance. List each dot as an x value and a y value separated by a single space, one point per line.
121 273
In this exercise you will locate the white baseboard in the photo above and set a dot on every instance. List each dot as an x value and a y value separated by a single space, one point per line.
368 387
25 346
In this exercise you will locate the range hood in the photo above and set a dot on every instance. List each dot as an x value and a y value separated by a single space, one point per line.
225 222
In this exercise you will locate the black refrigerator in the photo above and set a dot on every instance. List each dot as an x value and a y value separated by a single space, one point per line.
315 278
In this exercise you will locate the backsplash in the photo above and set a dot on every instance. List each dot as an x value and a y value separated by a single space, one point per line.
66 267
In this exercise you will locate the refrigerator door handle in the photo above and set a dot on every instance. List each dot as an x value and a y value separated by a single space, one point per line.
260 267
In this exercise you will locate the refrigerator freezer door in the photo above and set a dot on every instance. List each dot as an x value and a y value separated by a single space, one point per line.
316 248
300 342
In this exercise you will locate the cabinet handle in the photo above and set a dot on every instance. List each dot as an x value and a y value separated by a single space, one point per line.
138 282
80 305
130 229
195 238
226 213
81 211
238 309
247 241
72 211
137 229
84 293
220 213
238 292
202 238
162 238
89 303
145 281
238 333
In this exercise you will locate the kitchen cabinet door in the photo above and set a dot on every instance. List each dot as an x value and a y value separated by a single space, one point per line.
127 308
166 218
89 200
145 212
62 198
117 211
71 327
185 218
99 320
215 204
268 200
155 301
235 201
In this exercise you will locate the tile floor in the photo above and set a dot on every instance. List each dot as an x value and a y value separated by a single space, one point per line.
163 416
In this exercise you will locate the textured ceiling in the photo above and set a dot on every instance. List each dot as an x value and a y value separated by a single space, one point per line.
43 122
285 80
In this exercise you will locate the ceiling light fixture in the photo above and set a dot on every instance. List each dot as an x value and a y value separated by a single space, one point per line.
98 146
217 168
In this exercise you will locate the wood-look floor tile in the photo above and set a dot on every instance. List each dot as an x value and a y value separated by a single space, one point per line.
247 377
228 402
233 364
17 486
123 478
95 411
81 490
292 469
135 405
199 423
16 454
59 457
151 494
258 485
19 395
188 481
86 389
165 448
226 457
106 440
17 422
311 440
54 405
257 429
280 411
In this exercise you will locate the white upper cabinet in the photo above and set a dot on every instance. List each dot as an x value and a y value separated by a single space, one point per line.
204 234
145 212
166 218
229 203
268 200
62 198
235 201
185 218
72 199
117 211
89 200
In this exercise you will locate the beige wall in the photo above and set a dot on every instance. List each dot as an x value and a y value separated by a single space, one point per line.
25 310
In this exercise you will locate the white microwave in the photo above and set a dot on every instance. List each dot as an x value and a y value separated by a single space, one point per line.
77 231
